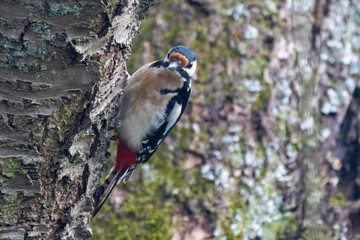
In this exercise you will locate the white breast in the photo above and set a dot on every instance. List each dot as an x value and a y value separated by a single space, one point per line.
138 124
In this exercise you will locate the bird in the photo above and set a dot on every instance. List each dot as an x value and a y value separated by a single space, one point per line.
152 103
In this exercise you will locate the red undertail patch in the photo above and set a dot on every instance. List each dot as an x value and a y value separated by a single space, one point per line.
125 157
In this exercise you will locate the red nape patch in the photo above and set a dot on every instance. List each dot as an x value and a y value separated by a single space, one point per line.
125 157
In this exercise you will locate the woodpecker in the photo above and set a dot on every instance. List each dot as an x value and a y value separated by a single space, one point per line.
153 102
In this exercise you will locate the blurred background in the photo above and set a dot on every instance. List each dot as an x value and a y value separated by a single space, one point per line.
268 145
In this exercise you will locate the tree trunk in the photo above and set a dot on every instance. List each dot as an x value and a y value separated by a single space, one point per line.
62 67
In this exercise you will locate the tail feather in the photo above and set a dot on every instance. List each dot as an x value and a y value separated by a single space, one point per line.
110 182
125 163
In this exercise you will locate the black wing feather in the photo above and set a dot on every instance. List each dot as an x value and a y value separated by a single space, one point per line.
154 139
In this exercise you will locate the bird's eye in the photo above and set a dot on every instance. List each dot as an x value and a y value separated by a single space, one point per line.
189 66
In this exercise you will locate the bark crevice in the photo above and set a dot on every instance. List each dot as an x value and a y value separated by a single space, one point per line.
57 84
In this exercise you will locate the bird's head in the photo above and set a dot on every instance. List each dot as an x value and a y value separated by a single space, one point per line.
182 57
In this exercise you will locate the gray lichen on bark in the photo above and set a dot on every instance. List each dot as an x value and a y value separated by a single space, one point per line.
62 66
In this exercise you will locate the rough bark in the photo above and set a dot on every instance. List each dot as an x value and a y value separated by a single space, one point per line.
62 65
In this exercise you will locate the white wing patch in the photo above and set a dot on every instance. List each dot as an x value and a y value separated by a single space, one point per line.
173 116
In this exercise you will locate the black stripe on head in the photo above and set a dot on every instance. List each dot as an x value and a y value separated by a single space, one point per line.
183 74
158 64
162 64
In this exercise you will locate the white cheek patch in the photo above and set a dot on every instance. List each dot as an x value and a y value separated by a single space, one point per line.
173 65
191 71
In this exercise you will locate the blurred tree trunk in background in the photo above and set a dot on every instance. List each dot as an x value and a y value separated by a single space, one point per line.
268 147
62 64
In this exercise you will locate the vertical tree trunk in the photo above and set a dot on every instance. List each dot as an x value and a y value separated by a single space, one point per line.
62 65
